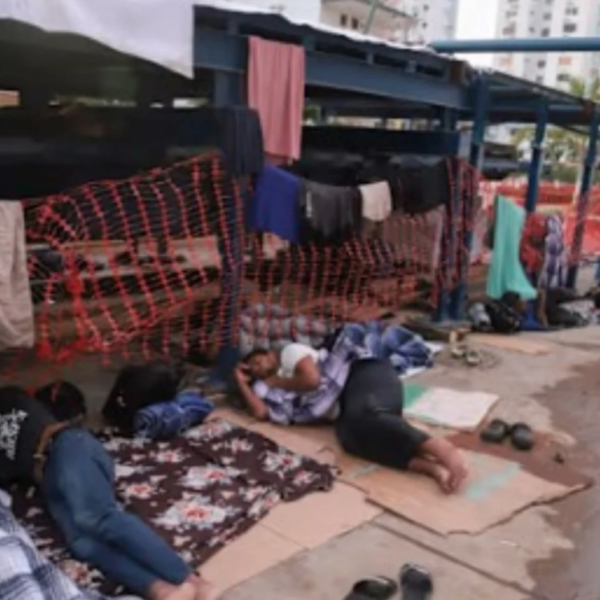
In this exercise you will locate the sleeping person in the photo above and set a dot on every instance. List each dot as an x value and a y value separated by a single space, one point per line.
362 397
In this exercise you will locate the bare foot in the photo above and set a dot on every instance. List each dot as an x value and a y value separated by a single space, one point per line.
204 590
457 468
449 457
432 469
186 591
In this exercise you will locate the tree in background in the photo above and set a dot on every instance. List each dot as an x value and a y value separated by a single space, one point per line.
565 149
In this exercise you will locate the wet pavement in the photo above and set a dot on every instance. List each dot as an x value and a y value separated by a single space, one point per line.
575 574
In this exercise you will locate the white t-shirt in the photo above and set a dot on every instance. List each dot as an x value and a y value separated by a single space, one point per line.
292 354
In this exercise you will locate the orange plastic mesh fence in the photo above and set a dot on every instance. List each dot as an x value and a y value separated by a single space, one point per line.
134 267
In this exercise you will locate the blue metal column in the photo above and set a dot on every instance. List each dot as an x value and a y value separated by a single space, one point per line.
537 158
228 90
584 199
458 300
448 122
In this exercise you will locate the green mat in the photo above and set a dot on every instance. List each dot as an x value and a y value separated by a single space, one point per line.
412 393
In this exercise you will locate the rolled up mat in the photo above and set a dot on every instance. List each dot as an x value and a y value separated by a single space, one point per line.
167 420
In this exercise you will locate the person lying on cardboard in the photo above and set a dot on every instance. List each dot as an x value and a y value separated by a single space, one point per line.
361 396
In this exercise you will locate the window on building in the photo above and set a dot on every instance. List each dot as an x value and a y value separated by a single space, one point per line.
547 16
572 11
565 61
563 78
539 79
545 32
344 20
541 64
569 27
354 23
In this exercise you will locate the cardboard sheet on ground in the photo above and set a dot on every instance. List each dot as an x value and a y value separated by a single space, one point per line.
445 407
497 490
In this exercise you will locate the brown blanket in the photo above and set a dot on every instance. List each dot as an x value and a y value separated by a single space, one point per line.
199 492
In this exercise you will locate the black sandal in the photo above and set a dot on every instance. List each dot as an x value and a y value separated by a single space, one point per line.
373 588
496 432
521 436
415 583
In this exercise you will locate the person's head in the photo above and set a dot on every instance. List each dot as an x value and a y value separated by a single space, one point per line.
262 363
64 400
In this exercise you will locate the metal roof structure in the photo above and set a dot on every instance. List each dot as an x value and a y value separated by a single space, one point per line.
347 73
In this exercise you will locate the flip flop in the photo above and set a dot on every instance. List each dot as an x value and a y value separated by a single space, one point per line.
473 358
459 351
373 588
496 432
521 436
415 583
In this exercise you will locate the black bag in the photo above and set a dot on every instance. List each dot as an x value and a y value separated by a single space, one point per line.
138 386
504 319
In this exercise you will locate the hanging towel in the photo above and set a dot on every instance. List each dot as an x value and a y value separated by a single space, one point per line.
276 76
275 207
506 271
17 328
166 420
377 201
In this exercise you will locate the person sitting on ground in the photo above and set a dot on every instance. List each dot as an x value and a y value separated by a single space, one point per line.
75 475
362 396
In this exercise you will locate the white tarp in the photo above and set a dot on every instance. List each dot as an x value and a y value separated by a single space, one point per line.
159 31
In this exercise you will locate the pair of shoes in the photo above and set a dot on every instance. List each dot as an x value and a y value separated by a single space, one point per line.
415 584
520 434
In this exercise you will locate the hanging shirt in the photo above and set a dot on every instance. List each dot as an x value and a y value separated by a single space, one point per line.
376 201
22 421
275 207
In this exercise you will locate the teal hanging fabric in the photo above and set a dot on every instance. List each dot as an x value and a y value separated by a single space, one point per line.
506 271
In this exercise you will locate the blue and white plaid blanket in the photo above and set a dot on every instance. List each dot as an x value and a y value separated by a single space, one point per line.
404 349
24 573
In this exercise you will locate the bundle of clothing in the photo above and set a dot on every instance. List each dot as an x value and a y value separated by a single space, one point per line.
556 308
147 401
405 349
271 327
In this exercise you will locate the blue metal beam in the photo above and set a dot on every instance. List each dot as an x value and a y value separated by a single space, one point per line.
220 51
537 159
584 199
566 44
563 117
466 215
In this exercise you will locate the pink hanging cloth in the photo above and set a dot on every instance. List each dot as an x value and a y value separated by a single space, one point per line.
276 76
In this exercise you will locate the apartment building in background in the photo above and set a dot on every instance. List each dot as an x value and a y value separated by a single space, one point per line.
415 21
549 18
435 19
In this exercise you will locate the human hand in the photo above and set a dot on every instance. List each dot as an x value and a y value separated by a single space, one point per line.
242 374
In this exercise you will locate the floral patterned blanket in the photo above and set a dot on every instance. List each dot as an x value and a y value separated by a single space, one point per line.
199 491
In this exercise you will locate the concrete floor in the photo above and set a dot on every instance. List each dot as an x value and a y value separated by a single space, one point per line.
545 553
532 556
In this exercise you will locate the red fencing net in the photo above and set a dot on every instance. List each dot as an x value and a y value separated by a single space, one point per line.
135 267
